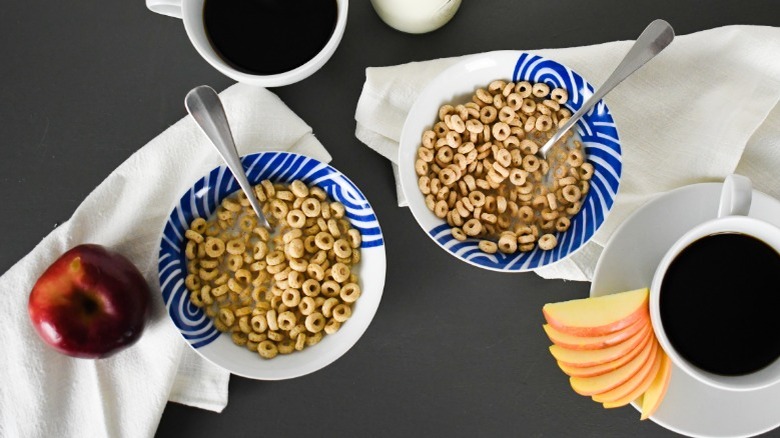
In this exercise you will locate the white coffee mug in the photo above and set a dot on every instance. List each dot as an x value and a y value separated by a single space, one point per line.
732 217
191 13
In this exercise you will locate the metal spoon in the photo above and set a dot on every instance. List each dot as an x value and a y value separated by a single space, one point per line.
204 106
651 42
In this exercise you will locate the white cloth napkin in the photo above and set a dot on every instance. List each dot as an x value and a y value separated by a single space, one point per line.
44 393
685 117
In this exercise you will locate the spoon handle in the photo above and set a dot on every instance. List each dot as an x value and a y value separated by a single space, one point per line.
206 108
651 42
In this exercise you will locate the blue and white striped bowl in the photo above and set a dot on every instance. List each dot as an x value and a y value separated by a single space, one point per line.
597 129
202 200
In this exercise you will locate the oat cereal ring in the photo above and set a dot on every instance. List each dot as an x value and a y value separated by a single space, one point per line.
195 298
472 227
235 246
350 292
295 279
587 171
526 239
488 114
530 124
333 228
457 124
337 209
291 297
501 131
488 246
572 193
226 316
342 248
544 123
319 258
540 89
279 208
441 209
474 126
238 338
315 322
315 271
531 163
286 320
476 198
547 242
549 215
355 239
514 101
340 272
523 88
324 241
454 140
243 324
231 205
306 306
528 107
259 323
198 225
562 224
296 219
507 243
311 287
526 214
193 235
567 181
190 250
342 312
192 282
332 326
330 288
575 158
529 147
247 224
518 176
458 234
220 290
267 349
560 95
274 258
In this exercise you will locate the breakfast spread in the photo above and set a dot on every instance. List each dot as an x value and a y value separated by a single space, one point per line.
281 293
478 168
607 347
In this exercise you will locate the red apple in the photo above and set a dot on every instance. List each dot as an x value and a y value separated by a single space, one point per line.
90 303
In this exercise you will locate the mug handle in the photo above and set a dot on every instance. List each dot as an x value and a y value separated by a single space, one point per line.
171 8
736 196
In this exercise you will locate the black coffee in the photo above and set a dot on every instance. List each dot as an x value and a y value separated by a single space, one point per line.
720 304
268 36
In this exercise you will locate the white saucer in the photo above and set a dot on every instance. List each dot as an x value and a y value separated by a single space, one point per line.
629 261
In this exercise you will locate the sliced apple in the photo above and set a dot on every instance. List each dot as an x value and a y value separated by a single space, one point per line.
599 315
655 393
606 383
589 358
603 368
635 386
573 342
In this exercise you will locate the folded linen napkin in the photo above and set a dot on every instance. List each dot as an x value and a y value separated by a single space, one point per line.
685 117
43 393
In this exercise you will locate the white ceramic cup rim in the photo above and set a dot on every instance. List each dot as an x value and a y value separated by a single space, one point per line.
761 230
191 15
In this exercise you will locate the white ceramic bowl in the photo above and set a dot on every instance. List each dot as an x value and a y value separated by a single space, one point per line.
201 201
596 129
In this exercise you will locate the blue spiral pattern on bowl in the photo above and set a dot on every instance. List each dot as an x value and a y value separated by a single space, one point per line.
600 139
204 197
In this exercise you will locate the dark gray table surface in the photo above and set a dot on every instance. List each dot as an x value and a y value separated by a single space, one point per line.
453 350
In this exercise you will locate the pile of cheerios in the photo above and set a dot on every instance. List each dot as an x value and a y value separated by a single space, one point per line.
275 294
478 170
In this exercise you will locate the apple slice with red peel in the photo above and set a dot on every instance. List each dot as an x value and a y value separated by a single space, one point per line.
589 358
598 315
655 392
633 387
573 342
603 368
606 383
